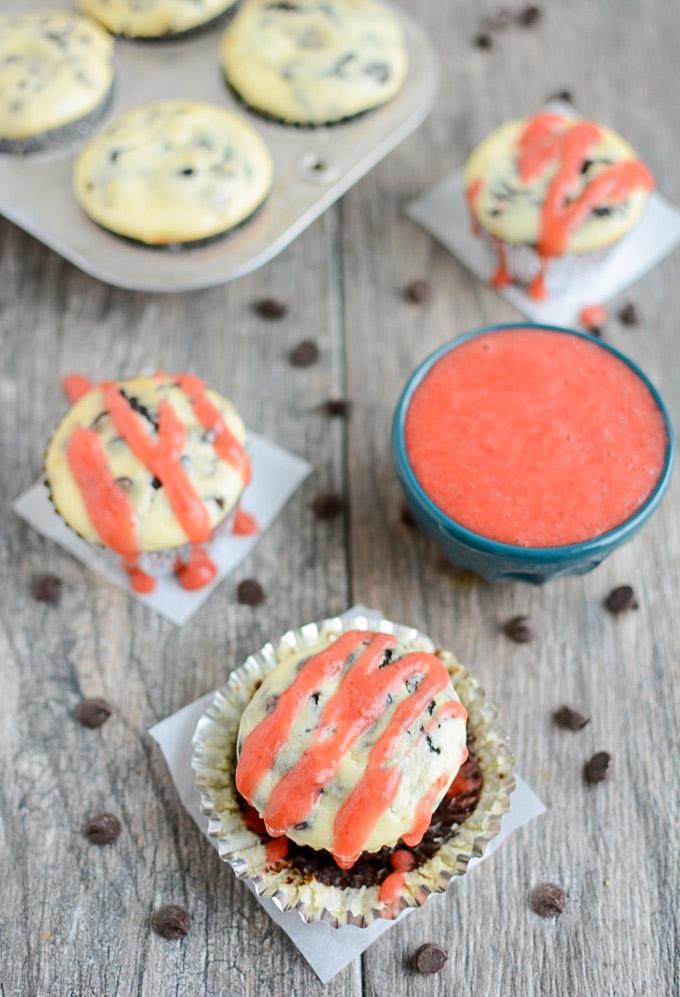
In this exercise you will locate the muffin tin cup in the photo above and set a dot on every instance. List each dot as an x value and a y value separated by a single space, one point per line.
214 758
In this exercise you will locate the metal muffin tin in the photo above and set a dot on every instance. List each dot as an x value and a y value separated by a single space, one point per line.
313 167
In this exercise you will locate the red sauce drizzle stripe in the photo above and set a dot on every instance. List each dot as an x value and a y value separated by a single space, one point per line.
545 141
423 814
379 785
226 445
108 506
162 458
264 742
75 386
472 193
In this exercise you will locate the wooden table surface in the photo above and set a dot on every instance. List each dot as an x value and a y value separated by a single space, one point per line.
75 918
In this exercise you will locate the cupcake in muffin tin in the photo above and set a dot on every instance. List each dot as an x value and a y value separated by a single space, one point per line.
155 19
174 173
351 770
308 63
551 194
150 468
56 78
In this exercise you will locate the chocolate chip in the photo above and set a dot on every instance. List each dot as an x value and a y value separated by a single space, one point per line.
407 517
340 407
519 629
94 712
188 171
418 292
429 958
567 97
628 315
103 829
304 354
570 719
46 588
547 900
270 308
598 768
327 505
250 592
483 40
500 20
621 599
595 331
171 921
529 16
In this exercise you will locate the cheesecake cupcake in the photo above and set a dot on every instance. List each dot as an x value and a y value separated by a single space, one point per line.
172 173
551 194
149 468
152 19
350 770
56 75
308 63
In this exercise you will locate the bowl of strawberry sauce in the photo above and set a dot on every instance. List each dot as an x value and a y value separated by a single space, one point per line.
531 451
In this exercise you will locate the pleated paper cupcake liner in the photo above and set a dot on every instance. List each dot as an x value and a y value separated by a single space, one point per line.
214 761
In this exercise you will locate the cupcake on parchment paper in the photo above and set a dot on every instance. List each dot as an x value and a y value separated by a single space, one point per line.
551 194
308 63
174 173
155 18
351 770
56 76
150 468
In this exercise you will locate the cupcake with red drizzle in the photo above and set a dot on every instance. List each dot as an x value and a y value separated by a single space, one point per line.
150 468
351 772
550 194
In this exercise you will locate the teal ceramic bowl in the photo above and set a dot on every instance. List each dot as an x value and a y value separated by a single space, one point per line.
497 561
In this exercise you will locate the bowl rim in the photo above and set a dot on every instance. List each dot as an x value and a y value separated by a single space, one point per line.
497 547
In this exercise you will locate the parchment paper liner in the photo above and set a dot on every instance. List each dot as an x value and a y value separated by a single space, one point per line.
213 762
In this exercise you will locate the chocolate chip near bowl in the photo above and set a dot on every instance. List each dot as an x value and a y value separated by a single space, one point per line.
344 815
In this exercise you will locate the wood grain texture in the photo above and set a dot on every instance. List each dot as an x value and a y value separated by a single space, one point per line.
74 918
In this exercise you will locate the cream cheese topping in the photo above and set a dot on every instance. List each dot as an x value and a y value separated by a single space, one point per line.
55 68
314 61
173 171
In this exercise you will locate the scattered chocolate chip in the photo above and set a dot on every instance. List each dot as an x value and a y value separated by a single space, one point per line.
304 354
327 505
340 407
483 40
429 958
94 712
250 592
500 20
598 768
418 291
547 900
519 629
103 829
529 16
270 308
564 95
570 719
628 315
171 921
46 588
621 599
407 517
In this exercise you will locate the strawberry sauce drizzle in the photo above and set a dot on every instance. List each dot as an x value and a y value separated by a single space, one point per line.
198 571
75 386
356 705
245 525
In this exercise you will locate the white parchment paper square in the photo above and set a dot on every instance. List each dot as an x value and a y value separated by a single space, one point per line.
276 475
443 211
327 950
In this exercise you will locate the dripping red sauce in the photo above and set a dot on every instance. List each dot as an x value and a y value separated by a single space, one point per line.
245 524
198 571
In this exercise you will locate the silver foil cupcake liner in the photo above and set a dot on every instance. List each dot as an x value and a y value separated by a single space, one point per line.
214 760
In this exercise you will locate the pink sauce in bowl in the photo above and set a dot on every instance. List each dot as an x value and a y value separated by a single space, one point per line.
530 438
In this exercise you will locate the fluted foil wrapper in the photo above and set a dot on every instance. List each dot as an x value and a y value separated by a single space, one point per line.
214 761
